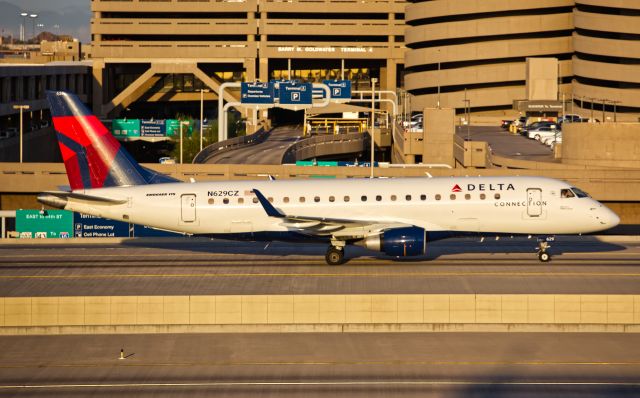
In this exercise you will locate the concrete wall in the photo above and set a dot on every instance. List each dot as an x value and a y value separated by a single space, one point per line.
439 132
601 144
39 312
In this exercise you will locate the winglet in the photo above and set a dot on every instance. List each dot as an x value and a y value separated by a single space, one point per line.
267 206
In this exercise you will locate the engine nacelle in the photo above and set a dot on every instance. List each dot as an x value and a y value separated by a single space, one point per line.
398 242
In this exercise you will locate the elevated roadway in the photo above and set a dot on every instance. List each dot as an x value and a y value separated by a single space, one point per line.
269 151
323 365
583 265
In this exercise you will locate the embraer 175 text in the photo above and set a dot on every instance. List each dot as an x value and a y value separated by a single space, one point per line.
394 216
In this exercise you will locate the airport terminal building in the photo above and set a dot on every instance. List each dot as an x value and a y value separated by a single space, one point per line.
170 50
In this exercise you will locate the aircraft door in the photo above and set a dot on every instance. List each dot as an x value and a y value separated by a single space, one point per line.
188 208
534 202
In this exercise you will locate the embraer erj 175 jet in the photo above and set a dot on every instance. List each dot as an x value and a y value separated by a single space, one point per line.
394 216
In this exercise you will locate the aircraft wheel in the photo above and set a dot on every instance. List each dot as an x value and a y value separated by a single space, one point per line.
544 257
334 256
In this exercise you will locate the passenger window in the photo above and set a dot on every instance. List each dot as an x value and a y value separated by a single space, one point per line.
332 199
346 198
255 200
393 198
270 200
225 201
467 196
240 201
285 199
378 198
483 196
566 193
316 199
452 196
211 201
363 198
497 196
302 199
438 197
407 198
423 197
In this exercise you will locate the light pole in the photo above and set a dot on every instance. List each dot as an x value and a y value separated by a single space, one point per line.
23 33
33 32
185 123
373 120
202 91
21 108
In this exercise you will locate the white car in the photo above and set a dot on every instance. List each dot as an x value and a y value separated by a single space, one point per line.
543 131
548 140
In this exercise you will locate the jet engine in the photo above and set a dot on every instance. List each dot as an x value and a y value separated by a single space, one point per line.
398 242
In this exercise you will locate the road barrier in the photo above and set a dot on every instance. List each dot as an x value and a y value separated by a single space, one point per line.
317 313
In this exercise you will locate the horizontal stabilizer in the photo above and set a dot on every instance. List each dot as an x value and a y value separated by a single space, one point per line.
59 199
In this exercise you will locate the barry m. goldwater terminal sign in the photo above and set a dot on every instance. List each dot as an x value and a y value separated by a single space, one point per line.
298 49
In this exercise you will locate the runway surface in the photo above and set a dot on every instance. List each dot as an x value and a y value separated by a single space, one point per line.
582 265
376 364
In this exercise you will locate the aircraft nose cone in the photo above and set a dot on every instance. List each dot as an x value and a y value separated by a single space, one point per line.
614 220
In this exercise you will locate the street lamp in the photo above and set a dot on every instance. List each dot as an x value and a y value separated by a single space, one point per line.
21 108
34 17
185 123
23 34
202 91
373 120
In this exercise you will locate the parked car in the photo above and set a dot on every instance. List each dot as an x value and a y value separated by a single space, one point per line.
505 124
543 131
555 142
520 123
536 125
8 133
549 140
570 118
166 160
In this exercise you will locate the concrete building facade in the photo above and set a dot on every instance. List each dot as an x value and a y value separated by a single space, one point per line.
169 50
477 50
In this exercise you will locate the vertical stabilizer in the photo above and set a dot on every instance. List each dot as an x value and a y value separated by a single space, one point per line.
92 156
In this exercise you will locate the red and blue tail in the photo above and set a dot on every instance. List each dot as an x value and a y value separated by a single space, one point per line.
92 156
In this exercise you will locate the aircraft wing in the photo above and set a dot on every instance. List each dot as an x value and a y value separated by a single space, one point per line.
338 228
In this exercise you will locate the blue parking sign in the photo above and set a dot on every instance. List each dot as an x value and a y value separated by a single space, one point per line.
340 89
296 93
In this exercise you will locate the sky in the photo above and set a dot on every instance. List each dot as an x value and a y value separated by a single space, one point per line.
71 15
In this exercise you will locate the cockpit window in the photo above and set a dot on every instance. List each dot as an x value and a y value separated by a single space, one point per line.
566 193
579 193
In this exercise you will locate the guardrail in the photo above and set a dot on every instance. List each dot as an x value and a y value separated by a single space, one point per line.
322 145
230 144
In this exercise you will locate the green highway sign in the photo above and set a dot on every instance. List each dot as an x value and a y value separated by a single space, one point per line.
125 127
47 224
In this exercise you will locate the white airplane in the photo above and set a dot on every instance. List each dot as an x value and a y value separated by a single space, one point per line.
396 216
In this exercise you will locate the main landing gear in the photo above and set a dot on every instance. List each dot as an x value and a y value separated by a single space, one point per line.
335 254
543 246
